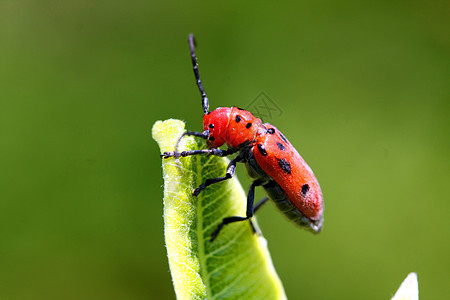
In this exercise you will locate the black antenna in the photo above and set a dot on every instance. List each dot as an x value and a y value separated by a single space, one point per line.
205 101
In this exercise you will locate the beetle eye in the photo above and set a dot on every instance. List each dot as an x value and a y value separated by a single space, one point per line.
305 189
211 126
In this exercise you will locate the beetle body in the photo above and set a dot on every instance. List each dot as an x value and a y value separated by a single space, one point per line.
271 161
269 156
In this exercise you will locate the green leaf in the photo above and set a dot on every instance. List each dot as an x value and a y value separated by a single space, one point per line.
237 265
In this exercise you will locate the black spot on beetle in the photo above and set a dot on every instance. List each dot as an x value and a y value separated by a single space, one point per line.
211 138
271 131
262 150
280 146
240 108
305 189
283 138
238 118
284 165
211 126
248 125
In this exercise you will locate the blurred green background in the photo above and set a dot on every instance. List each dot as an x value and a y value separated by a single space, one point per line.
364 89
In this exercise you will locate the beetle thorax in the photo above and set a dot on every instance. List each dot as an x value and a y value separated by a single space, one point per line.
234 126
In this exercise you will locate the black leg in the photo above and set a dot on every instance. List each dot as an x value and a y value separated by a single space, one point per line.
249 213
255 209
203 135
260 203
230 172
225 221
214 151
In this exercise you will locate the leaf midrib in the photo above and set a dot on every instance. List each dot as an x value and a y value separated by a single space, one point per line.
200 236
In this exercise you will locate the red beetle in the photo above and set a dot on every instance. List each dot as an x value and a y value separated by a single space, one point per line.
271 161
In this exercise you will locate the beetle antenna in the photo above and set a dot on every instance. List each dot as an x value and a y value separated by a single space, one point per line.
205 101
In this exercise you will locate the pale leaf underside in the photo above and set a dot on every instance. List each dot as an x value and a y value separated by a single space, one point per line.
237 265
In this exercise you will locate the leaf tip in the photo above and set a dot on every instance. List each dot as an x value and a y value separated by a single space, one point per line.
167 127
409 289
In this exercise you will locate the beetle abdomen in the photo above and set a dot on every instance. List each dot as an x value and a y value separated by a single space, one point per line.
279 197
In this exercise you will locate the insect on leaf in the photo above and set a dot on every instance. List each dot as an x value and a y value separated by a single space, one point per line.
237 265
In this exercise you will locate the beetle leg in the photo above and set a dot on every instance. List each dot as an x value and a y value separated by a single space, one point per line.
230 172
203 135
260 203
258 206
214 151
249 213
